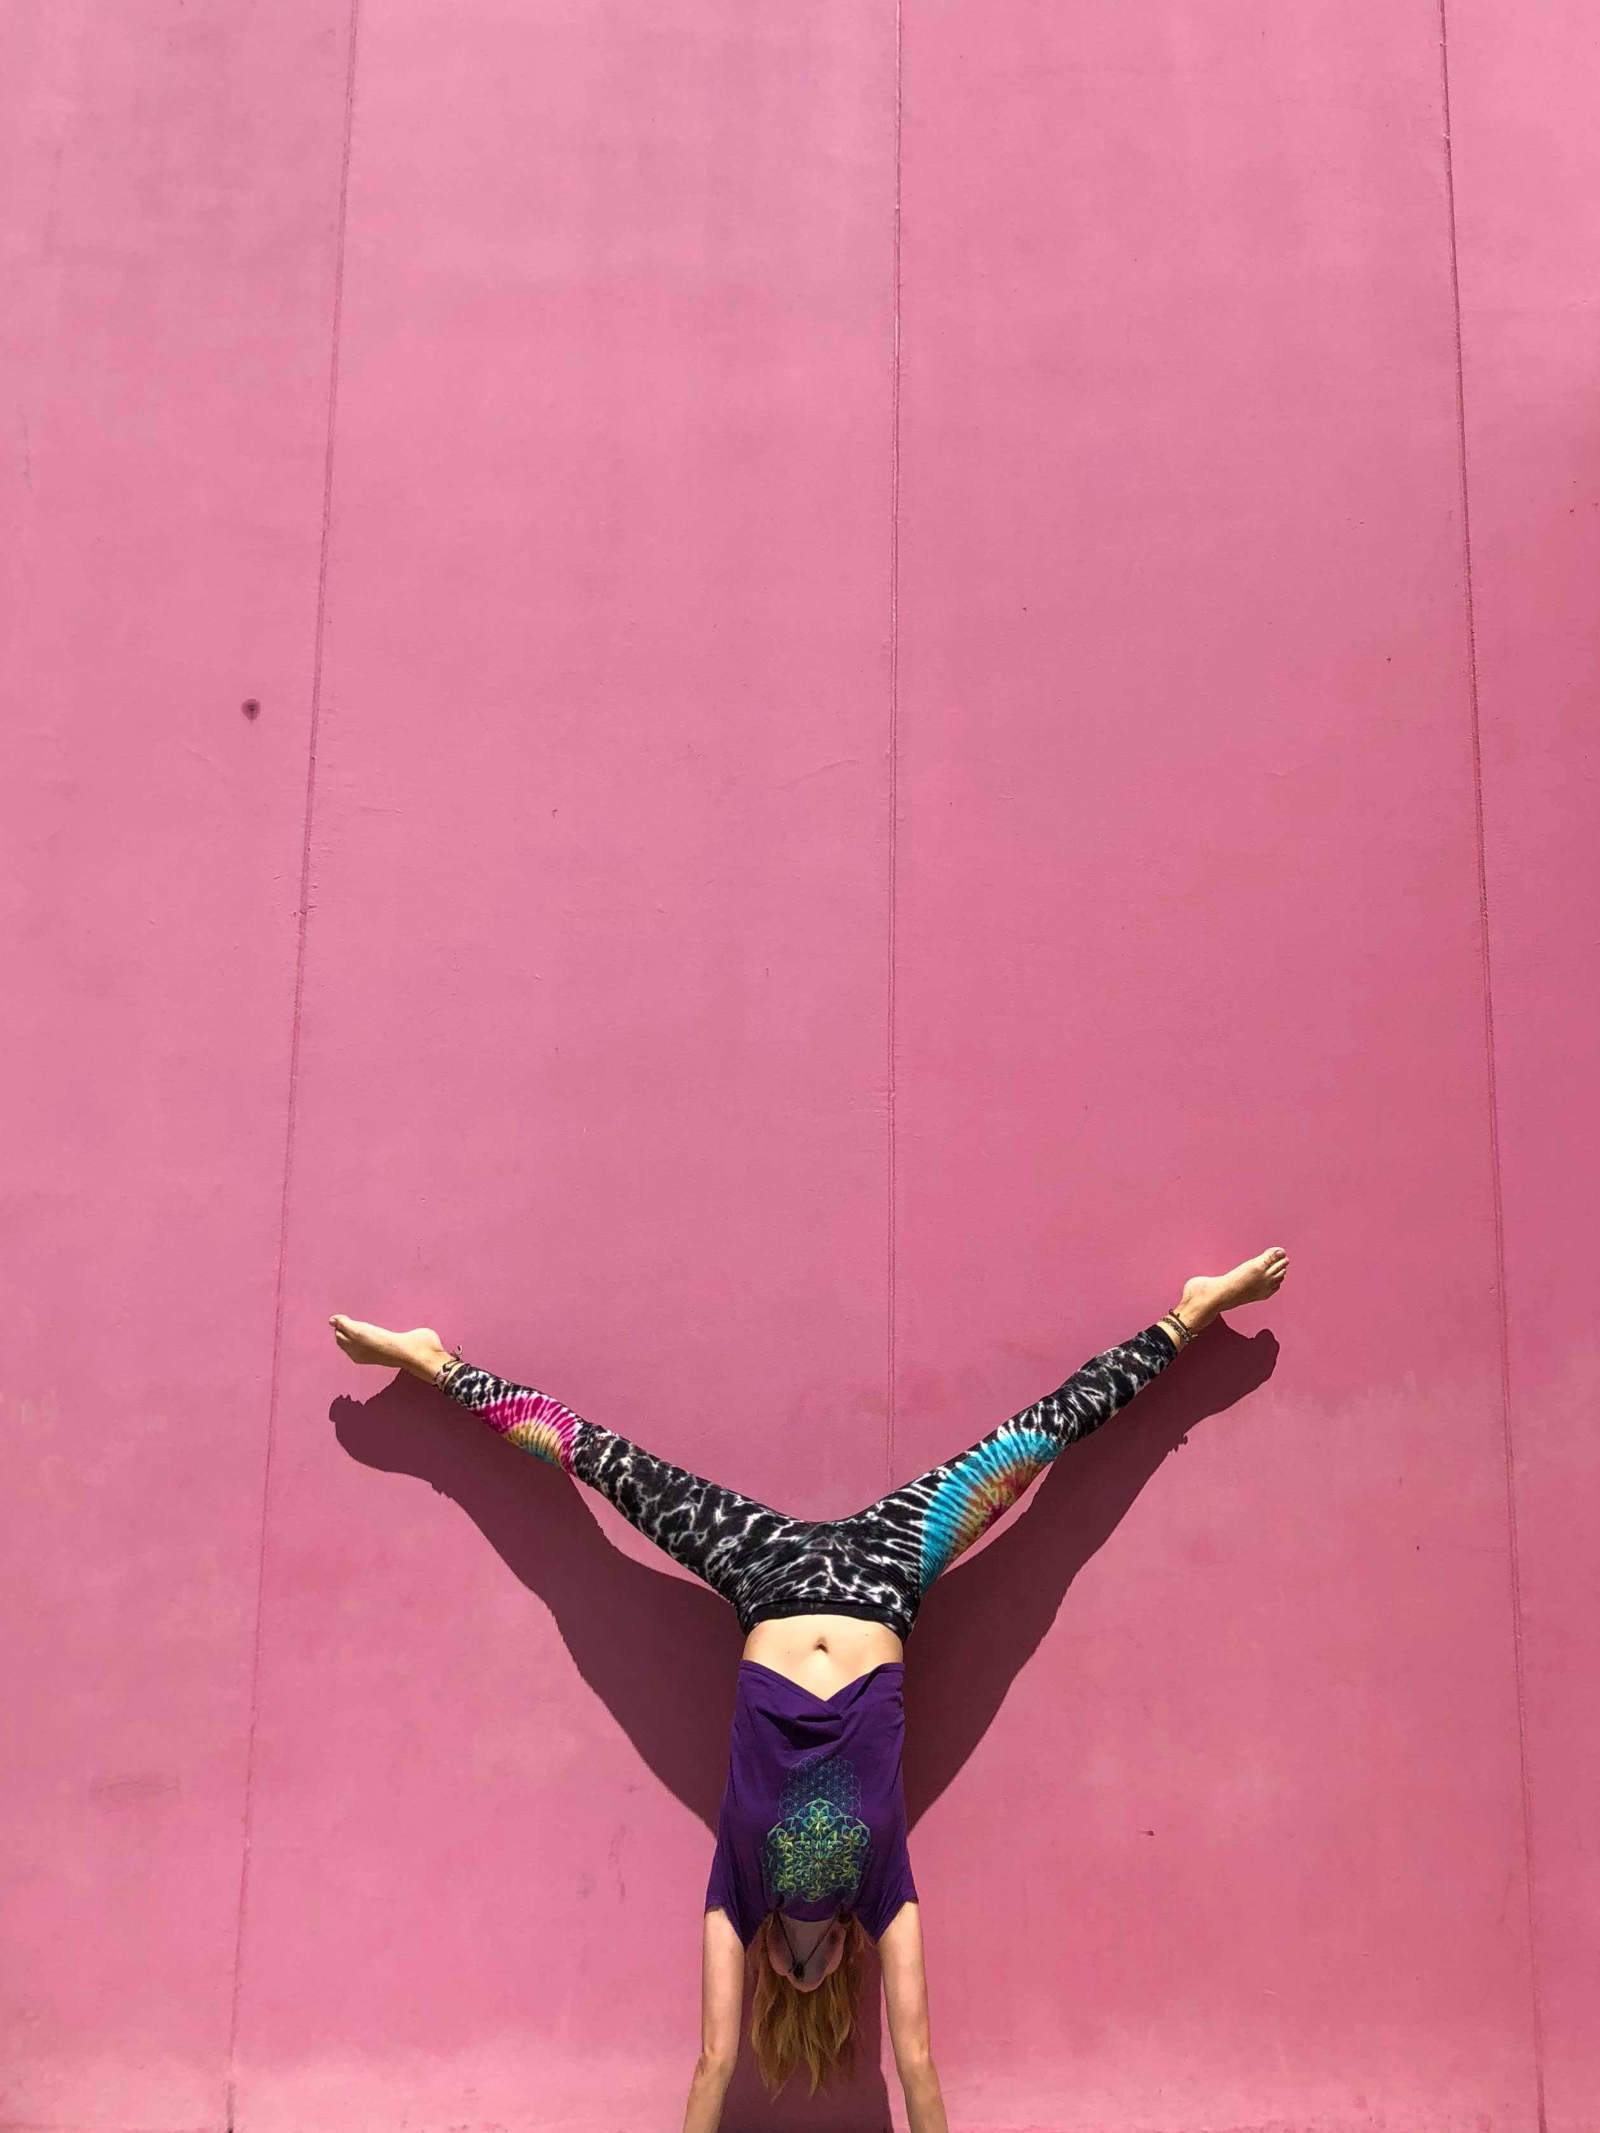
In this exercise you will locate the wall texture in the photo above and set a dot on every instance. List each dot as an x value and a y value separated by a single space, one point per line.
771 709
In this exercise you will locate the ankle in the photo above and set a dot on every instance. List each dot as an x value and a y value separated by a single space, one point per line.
1197 1310
426 1358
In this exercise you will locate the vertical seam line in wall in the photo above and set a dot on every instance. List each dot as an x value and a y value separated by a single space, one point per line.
302 928
1495 1166
891 1364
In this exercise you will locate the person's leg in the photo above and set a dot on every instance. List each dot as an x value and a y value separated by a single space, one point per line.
930 1521
723 1537
923 1527
709 1529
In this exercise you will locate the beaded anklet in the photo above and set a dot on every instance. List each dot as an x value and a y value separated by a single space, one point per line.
1185 1333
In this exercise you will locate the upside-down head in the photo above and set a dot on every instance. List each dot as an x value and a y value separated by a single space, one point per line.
811 2018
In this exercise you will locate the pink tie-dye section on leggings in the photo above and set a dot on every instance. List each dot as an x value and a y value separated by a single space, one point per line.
535 1423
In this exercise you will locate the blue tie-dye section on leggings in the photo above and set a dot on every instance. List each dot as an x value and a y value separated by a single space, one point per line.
982 1485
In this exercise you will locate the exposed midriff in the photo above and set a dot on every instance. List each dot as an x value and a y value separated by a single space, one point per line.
822 1652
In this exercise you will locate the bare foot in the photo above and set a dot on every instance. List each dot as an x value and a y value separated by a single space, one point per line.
421 1351
1208 1295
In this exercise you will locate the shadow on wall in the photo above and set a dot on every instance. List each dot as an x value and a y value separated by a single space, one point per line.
983 1620
661 1652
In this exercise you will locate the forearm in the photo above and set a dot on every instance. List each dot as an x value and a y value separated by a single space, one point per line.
707 2092
924 2102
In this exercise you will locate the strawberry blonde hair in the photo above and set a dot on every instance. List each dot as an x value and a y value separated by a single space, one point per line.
788 2026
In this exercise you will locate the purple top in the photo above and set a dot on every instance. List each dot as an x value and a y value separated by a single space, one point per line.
813 1820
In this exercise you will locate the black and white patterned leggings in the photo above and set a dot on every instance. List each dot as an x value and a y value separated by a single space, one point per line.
877 1563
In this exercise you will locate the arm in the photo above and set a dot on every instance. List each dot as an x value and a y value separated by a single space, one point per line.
721 2002
905 1995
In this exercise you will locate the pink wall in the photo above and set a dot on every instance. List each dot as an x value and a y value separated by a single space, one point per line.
899 692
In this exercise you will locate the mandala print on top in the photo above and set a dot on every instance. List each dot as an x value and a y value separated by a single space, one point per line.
819 1851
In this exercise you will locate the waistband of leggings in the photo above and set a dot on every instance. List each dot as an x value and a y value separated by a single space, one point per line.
861 1610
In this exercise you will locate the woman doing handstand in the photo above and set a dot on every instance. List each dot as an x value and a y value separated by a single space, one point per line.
811 1861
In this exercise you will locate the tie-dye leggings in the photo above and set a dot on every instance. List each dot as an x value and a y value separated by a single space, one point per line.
877 1563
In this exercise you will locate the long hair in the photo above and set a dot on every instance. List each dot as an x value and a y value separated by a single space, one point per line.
788 2025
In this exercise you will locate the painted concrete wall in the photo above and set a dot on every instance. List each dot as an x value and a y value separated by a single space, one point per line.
912 676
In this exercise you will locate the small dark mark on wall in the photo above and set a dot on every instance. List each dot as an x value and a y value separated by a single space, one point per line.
250 707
